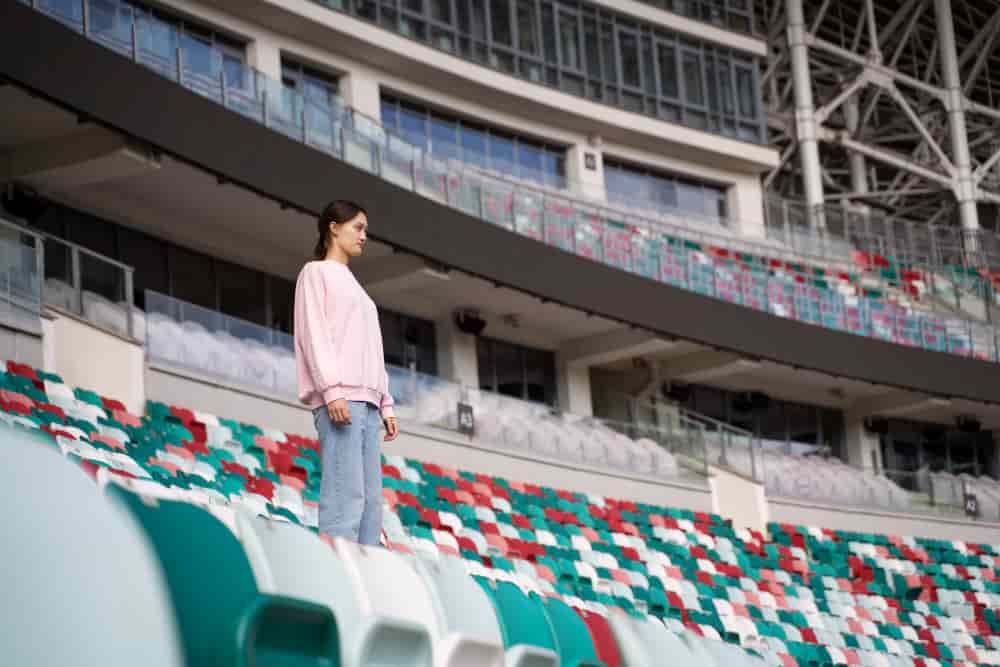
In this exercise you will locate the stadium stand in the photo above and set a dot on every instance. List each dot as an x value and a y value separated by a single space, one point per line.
568 578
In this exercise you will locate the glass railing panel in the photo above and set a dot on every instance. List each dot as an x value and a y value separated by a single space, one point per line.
528 209
218 345
157 43
359 150
110 22
201 67
588 237
242 92
498 204
434 180
68 12
645 251
20 284
398 163
103 293
558 223
283 106
616 244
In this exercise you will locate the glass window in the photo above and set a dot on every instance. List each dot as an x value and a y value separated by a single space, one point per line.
668 70
413 126
694 92
192 277
592 47
282 293
636 186
390 118
242 292
569 40
527 27
746 91
441 10
444 138
529 162
149 258
472 18
629 49
500 22
473 145
501 153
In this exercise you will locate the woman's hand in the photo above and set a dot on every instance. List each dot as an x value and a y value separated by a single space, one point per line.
391 428
339 411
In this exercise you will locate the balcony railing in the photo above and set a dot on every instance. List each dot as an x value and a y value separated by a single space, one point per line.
663 248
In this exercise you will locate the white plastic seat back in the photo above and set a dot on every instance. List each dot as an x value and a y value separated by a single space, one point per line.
646 642
391 592
470 631
290 560
82 585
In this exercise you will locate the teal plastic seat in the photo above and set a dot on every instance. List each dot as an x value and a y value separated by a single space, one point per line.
223 618
574 643
527 636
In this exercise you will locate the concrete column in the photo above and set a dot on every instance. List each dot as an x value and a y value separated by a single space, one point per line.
745 204
863 449
360 90
573 388
265 57
586 174
805 111
965 185
456 354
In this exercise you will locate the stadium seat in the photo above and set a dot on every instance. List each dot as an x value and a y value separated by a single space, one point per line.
470 632
392 595
575 646
223 618
82 586
527 636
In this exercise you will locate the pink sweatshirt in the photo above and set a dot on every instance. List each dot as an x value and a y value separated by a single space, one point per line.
338 341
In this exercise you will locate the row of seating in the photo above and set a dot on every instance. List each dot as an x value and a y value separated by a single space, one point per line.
802 596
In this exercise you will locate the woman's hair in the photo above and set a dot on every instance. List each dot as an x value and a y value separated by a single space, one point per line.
338 211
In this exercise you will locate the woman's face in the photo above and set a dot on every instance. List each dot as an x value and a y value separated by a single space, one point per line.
351 235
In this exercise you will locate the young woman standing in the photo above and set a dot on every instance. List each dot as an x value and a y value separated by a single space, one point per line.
342 376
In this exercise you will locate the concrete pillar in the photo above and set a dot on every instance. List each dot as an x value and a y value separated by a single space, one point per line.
360 90
573 388
585 170
457 359
863 450
745 207
265 57
805 111
965 185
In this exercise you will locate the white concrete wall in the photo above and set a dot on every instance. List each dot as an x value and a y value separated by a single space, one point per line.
863 448
90 357
887 523
573 388
457 359
740 499
446 448
188 389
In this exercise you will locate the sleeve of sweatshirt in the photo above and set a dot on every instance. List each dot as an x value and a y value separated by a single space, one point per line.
312 324
387 401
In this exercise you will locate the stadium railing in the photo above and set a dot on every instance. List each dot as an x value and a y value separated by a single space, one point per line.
628 241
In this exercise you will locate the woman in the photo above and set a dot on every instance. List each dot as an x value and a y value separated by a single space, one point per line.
342 377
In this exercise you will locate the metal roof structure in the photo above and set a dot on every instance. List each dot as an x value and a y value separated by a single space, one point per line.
887 107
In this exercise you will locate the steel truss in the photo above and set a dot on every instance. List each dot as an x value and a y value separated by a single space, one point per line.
887 107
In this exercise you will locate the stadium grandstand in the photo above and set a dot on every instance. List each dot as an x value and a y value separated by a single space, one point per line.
690 312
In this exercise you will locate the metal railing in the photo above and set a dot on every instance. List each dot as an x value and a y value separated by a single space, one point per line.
661 248
21 261
73 278
212 343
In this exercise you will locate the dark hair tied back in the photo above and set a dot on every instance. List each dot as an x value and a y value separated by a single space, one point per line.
338 211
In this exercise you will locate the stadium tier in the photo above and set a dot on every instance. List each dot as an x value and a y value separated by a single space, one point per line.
864 293
479 569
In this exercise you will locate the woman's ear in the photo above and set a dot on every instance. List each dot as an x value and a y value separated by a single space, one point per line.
333 229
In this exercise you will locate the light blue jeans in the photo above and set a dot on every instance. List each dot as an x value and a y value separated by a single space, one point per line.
350 490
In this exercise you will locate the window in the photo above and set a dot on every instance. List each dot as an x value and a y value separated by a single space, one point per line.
149 257
317 87
450 137
242 292
513 370
638 186
599 54
408 341
192 277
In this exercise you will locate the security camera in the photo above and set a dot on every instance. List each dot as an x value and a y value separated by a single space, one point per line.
469 321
